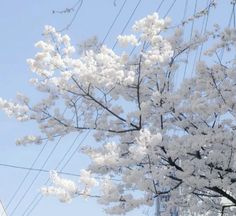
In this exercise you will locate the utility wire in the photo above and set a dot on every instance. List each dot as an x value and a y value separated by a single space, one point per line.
185 9
47 171
35 204
205 28
159 6
3 208
191 35
25 177
203 31
35 169
76 150
61 171
232 17
38 194
170 8
27 174
68 150
127 23
114 21
78 4
184 16
73 143
35 178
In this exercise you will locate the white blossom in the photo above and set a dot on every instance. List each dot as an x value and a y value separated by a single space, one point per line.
154 137
125 40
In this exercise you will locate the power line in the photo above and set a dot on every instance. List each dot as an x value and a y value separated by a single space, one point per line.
168 11
76 150
232 17
47 171
38 194
35 169
35 204
3 208
185 9
73 143
191 35
32 165
205 28
68 150
78 4
127 23
114 21
35 178
159 6
196 52
26 176
203 31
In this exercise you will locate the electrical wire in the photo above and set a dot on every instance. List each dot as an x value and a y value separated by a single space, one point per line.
127 23
76 150
35 204
191 35
35 178
114 21
27 174
185 9
47 171
232 17
159 6
170 8
203 31
38 194
78 4
35 169
205 28
25 177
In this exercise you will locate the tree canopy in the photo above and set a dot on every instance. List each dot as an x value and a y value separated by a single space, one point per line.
155 137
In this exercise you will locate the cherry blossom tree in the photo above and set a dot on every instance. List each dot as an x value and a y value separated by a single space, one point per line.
157 138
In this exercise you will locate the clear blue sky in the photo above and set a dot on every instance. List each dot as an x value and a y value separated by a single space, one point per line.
21 24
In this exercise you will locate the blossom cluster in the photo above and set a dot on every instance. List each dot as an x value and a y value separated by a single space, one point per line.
156 139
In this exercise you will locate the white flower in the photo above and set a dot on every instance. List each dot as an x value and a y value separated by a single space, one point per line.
125 40
60 193
66 184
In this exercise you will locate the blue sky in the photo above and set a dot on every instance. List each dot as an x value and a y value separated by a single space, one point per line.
21 24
